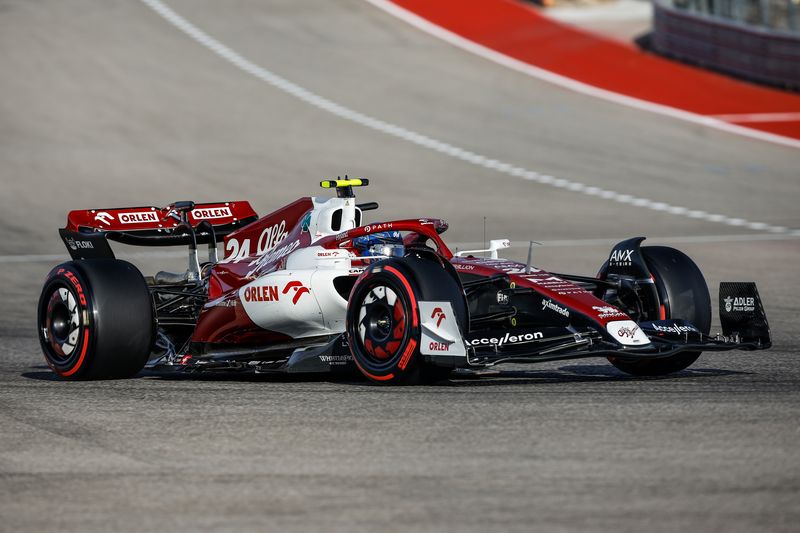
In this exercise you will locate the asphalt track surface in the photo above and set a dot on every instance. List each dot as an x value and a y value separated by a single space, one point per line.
106 104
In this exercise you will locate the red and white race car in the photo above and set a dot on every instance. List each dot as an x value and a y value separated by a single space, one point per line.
310 288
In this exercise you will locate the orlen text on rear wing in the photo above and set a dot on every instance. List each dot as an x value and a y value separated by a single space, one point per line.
181 223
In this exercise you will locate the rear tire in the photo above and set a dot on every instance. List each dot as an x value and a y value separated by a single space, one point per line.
95 319
683 294
383 323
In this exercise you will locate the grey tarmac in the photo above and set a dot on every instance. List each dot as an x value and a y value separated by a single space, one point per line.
105 104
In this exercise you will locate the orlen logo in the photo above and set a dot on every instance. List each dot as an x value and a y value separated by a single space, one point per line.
138 217
269 293
299 290
104 218
261 294
211 213
439 315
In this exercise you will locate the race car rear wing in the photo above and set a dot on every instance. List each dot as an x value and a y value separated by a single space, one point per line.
181 223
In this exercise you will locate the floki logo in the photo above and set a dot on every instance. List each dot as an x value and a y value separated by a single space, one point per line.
76 244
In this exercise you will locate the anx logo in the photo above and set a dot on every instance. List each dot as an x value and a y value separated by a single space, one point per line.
627 332
439 315
740 303
621 257
299 290
104 218
138 217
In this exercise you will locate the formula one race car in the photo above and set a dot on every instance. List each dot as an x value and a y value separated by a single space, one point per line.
309 288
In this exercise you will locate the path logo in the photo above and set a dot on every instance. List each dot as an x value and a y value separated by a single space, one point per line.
299 290
439 315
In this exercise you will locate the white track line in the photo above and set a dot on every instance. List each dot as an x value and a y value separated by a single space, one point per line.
445 148
760 117
683 239
574 85
49 258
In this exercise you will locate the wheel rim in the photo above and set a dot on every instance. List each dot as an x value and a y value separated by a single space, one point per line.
382 328
62 324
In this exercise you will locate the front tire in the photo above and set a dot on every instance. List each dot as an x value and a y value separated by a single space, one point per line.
383 323
682 294
95 319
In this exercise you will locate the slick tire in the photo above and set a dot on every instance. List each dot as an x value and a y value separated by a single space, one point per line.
95 320
683 294
383 324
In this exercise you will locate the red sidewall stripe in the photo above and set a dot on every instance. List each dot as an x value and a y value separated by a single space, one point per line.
407 285
84 349
412 344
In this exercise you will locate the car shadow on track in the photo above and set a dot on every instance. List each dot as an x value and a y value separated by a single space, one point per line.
564 374
573 374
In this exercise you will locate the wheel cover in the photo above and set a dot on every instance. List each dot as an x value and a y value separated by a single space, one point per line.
62 324
382 329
